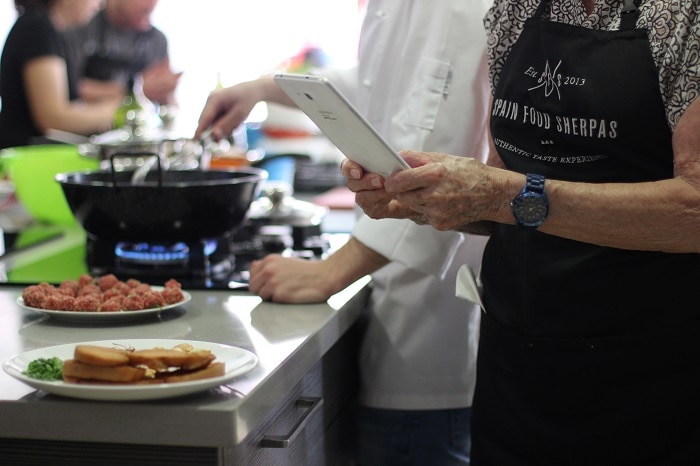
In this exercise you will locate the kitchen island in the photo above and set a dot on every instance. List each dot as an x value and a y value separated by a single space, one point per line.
293 408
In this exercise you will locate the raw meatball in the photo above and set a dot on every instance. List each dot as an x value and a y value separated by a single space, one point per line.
172 295
48 288
87 303
120 289
133 283
141 288
85 279
133 302
58 302
69 287
90 289
172 283
34 296
106 282
152 299
113 304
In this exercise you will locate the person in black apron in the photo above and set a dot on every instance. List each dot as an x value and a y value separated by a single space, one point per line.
585 359
589 355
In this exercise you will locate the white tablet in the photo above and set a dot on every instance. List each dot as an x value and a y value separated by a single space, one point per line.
341 123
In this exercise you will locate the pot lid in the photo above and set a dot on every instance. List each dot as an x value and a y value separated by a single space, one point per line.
277 206
126 136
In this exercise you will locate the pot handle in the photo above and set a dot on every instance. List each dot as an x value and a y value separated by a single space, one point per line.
131 154
82 143
66 137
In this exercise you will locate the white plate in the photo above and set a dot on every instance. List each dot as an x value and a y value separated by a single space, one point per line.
238 361
105 317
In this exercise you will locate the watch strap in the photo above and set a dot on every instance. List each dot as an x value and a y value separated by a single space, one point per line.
534 183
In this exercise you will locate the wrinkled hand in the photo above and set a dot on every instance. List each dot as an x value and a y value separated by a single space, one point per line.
371 195
160 82
449 191
289 280
442 190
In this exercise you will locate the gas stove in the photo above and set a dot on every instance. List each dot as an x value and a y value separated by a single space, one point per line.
275 224
218 263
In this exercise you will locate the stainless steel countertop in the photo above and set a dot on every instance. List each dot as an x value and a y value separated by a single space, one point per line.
288 340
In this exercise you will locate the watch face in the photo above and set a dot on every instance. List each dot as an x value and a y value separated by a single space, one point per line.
530 210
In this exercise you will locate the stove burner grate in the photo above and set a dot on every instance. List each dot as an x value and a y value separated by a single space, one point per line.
203 264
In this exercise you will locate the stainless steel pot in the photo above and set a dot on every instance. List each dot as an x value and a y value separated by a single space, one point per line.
276 206
131 143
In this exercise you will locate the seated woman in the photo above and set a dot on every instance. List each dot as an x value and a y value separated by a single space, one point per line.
35 88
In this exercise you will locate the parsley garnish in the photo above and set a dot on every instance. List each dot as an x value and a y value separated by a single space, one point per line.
45 369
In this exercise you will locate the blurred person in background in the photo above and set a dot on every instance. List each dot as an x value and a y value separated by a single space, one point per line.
421 82
119 43
35 88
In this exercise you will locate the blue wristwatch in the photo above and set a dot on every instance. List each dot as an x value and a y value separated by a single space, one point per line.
530 207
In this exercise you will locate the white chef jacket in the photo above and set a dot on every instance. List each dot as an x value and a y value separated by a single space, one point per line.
421 82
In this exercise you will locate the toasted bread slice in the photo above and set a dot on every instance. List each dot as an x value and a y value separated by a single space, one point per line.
100 356
214 369
73 369
164 359
146 381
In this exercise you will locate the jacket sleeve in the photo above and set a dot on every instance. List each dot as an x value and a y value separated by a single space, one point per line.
345 79
419 247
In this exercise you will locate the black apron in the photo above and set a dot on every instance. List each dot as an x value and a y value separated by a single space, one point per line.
588 355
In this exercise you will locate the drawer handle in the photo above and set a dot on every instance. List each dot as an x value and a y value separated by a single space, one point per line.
283 441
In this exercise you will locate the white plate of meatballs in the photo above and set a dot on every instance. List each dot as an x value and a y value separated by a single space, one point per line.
104 299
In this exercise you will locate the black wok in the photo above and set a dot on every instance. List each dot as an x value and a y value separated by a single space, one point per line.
179 205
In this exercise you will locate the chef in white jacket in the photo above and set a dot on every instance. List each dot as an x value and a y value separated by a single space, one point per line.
421 82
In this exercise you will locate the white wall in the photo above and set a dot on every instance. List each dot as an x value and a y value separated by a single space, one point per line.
240 39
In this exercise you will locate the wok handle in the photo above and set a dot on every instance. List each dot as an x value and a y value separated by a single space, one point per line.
136 153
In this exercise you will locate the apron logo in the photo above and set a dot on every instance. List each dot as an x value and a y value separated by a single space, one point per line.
552 80
532 111
548 78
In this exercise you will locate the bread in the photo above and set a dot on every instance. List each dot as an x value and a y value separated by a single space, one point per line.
163 359
100 356
104 365
215 369
73 369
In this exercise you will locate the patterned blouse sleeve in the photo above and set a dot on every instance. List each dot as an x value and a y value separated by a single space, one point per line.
504 22
677 54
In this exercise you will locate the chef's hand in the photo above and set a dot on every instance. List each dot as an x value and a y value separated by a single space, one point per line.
227 108
291 280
